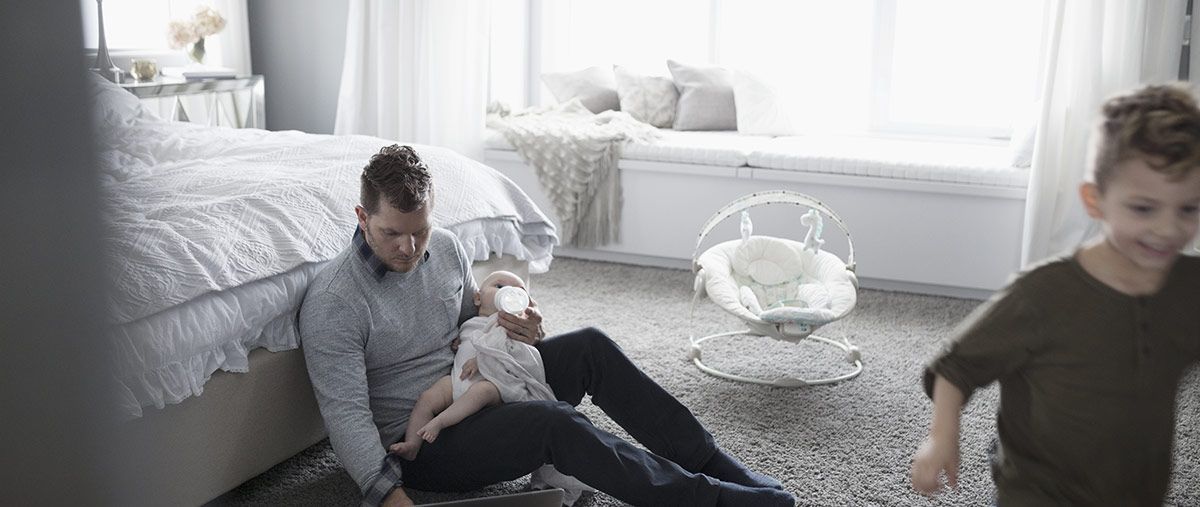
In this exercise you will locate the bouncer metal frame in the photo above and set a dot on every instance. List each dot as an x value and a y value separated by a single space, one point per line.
757 327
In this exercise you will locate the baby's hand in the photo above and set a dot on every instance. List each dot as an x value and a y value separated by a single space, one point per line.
470 368
454 344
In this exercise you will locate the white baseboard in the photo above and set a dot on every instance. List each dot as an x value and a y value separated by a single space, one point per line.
622 258
924 288
866 283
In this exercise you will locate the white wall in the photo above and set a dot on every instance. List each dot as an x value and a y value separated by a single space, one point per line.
298 46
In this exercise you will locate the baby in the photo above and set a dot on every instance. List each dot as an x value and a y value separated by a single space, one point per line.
488 368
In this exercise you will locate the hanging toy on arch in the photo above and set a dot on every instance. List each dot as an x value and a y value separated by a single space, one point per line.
816 224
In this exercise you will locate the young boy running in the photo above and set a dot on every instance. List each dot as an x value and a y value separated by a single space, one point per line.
1089 349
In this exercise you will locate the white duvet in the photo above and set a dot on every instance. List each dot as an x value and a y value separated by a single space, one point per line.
194 213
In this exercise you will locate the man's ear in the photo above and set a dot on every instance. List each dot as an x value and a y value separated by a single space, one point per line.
1089 193
361 213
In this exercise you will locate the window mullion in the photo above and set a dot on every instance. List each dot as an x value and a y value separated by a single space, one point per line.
714 31
883 20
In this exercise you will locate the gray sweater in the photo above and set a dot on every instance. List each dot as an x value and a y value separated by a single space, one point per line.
374 340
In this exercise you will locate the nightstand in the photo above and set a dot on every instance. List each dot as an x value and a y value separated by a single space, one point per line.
235 102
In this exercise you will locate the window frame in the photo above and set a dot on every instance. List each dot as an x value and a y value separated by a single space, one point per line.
544 18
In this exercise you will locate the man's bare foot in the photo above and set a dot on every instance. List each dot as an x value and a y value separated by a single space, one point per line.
406 450
430 431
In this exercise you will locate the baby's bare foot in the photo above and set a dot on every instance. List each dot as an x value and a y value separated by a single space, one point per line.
407 450
429 432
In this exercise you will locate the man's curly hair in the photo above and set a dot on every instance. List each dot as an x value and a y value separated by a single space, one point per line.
399 175
1158 123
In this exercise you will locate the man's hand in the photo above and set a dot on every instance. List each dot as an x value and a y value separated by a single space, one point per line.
397 498
526 328
932 458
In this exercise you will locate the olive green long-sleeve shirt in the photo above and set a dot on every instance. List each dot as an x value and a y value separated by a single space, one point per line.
1088 377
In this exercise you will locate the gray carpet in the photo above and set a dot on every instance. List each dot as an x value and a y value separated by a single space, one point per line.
843 444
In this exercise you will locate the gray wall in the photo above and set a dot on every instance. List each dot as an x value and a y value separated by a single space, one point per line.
54 381
297 45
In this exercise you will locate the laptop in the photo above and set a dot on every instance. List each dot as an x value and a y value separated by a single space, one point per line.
541 498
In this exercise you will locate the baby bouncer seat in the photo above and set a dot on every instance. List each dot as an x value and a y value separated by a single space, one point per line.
780 288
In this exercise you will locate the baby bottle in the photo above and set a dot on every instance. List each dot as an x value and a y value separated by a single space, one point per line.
512 299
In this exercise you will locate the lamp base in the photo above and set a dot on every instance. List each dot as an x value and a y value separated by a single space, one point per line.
114 74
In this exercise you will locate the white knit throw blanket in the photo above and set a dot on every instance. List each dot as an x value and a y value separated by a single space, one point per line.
575 154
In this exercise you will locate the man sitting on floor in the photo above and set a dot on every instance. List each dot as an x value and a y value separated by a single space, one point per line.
377 324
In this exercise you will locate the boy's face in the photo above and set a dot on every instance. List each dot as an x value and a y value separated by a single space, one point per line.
1147 217
485 297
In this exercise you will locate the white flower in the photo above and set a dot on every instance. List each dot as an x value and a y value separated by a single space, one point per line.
180 34
207 21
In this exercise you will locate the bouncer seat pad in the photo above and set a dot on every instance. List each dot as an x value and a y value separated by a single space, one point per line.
778 281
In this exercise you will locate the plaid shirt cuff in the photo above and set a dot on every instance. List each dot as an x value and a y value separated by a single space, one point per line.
389 479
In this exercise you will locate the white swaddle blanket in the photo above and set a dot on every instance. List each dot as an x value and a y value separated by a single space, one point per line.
516 369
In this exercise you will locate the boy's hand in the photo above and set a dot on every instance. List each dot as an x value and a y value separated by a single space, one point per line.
932 458
470 367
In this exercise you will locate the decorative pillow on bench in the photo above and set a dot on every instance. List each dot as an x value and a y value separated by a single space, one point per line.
595 87
760 110
650 99
705 97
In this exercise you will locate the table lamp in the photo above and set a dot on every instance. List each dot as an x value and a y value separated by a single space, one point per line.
104 64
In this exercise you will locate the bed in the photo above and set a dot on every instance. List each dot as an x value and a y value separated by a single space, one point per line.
213 235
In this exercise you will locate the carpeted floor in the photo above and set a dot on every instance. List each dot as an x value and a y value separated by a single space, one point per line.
843 444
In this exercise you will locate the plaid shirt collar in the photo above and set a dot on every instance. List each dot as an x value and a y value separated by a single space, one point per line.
374 263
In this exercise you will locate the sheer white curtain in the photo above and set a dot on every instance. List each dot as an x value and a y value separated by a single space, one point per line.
416 71
1093 49
231 47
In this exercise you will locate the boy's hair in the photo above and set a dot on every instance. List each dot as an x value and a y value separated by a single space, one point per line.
399 175
1159 124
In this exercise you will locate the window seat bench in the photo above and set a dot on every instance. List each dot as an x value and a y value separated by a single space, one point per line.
930 217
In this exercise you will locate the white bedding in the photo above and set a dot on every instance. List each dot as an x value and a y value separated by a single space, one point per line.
169 356
213 234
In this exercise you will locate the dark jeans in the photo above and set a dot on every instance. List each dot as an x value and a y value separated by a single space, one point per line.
509 440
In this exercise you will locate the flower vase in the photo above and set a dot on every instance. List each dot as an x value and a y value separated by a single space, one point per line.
196 52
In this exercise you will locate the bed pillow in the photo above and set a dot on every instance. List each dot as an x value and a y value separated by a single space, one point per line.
595 87
649 99
705 97
113 105
760 111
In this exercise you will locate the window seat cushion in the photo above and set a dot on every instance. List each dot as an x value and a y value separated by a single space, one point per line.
903 159
918 160
713 148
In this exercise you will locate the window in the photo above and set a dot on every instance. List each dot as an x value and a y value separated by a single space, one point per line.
508 52
815 54
940 67
949 65
134 24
